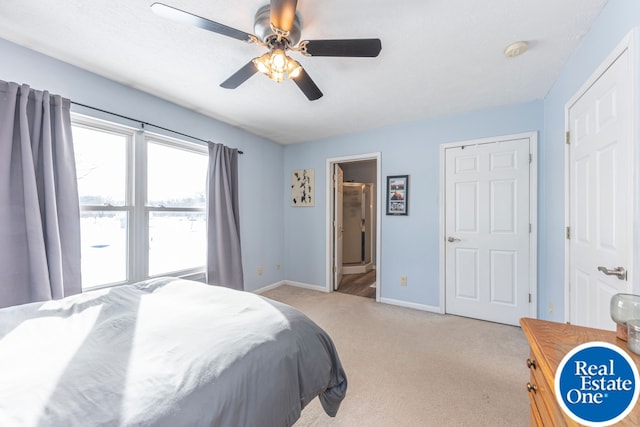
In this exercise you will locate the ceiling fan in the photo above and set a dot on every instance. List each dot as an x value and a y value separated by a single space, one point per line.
277 27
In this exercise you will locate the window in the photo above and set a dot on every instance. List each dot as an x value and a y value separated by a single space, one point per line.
142 204
176 179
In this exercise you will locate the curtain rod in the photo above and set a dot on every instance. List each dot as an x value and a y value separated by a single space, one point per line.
142 122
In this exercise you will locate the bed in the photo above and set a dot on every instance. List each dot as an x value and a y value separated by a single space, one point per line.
164 352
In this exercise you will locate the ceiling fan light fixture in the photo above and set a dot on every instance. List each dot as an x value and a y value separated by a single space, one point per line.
279 60
276 65
293 68
277 76
262 63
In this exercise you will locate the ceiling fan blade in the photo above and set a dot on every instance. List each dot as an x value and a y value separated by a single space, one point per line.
183 17
307 86
347 47
282 13
240 76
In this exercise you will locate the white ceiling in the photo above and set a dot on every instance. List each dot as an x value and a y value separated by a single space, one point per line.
439 57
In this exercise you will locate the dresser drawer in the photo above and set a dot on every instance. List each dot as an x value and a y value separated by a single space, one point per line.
534 416
541 394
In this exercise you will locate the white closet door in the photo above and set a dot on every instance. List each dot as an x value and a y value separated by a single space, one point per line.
487 231
600 182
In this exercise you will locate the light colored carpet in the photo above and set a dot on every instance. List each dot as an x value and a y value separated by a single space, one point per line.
411 368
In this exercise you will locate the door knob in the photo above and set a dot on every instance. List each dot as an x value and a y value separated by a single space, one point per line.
452 239
619 272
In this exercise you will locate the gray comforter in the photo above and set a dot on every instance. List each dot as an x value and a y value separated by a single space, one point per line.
165 352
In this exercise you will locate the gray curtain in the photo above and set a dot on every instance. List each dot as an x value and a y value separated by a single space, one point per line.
39 208
224 258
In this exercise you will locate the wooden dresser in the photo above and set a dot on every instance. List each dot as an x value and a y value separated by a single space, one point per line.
550 342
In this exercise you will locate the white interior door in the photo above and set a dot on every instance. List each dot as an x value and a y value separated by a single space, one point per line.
600 194
487 230
368 223
338 227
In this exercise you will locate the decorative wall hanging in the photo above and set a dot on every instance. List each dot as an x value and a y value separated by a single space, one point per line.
302 188
398 195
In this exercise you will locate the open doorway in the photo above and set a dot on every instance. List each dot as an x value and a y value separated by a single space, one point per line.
353 224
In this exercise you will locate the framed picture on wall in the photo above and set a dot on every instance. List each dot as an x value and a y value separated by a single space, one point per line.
398 195
302 187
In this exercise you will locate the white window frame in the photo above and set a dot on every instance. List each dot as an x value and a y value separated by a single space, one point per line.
137 209
141 200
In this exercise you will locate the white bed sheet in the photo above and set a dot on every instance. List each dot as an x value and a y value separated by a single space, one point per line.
165 352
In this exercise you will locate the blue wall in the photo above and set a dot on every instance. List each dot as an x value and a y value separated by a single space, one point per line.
409 244
260 167
614 23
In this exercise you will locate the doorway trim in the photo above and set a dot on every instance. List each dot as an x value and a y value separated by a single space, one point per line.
630 44
330 214
533 213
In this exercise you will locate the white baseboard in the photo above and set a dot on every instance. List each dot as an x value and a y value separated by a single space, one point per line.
305 286
423 307
357 269
290 283
269 287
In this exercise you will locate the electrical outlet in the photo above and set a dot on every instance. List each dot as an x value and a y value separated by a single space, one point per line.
260 271
550 308
277 266
403 280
